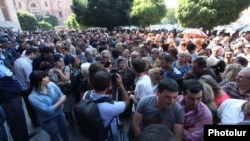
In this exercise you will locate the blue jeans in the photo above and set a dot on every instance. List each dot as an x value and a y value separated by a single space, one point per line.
55 126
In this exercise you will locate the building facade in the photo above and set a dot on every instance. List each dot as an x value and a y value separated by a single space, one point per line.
8 16
59 8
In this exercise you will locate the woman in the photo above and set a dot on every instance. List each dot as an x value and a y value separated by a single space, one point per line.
155 75
208 99
60 75
155 57
219 94
47 99
182 63
230 73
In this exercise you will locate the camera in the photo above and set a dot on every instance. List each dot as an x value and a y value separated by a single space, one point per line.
113 75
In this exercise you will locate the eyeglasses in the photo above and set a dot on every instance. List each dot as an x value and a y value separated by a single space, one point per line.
106 57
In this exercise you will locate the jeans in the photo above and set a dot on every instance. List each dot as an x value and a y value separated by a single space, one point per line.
55 126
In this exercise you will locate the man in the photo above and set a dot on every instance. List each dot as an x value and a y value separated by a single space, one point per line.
160 109
199 69
168 70
156 131
8 53
232 111
11 101
71 48
143 84
22 69
240 88
197 114
44 61
108 110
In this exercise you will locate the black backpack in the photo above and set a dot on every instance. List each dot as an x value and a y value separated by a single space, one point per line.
89 119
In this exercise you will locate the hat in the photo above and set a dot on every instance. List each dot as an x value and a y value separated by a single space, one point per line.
4 40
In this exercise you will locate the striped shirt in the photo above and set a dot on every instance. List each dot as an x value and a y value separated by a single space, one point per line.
232 89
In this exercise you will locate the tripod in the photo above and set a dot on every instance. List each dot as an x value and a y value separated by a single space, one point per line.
120 125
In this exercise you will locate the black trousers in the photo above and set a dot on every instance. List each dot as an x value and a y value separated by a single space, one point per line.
15 118
31 111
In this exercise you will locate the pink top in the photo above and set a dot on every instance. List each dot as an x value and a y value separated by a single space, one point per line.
220 98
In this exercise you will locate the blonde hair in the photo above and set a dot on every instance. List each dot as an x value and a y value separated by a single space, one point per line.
231 71
156 72
208 97
213 83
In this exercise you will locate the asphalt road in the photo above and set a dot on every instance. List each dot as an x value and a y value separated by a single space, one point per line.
73 131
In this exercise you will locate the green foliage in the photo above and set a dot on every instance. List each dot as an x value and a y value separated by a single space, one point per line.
170 17
71 22
101 13
27 21
209 13
146 12
44 25
49 18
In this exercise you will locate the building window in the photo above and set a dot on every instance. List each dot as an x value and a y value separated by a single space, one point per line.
60 14
19 5
45 3
59 4
33 5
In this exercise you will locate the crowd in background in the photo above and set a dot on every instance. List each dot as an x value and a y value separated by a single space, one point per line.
219 62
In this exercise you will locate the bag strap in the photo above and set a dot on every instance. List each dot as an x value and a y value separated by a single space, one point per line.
100 100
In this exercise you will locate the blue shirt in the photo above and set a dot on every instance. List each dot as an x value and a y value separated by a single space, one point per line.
22 70
183 69
44 103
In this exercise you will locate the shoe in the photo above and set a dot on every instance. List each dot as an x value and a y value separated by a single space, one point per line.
32 134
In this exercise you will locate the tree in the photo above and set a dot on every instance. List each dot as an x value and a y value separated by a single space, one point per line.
44 25
27 20
71 22
49 18
209 13
170 16
146 12
101 13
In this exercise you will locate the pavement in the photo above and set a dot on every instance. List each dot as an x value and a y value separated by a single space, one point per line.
73 130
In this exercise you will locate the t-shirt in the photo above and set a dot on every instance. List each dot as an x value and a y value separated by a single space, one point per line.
152 114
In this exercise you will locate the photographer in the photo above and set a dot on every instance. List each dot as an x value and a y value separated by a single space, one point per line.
108 110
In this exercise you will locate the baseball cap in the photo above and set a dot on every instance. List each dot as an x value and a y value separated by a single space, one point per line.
4 40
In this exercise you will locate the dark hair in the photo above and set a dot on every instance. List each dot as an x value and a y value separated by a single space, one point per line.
242 60
48 50
193 85
200 61
168 84
139 65
36 78
115 53
120 59
57 57
166 58
157 132
30 50
93 68
104 78
191 46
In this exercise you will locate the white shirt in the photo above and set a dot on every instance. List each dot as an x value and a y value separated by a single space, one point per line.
230 111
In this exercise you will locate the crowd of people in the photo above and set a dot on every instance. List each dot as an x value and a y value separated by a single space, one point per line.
169 78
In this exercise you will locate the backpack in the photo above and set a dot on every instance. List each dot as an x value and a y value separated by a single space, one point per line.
89 119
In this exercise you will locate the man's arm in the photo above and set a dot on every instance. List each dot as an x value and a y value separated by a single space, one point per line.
136 123
124 93
178 131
